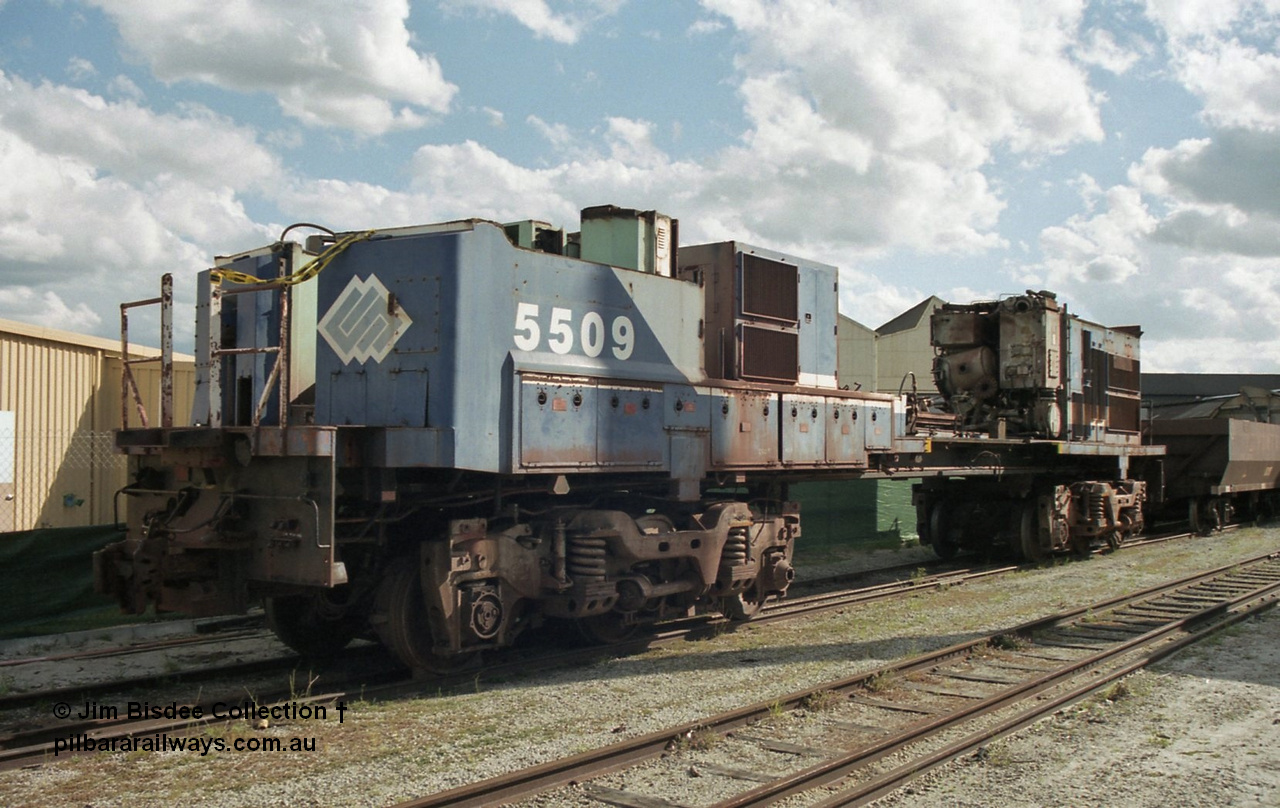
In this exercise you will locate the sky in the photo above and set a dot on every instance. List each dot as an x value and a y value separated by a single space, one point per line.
1123 154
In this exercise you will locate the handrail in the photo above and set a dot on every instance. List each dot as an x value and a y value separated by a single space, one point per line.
279 376
128 384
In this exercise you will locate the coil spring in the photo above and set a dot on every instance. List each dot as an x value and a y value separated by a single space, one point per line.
1098 508
735 548
586 557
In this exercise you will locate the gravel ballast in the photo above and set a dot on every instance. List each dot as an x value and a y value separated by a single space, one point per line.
1201 724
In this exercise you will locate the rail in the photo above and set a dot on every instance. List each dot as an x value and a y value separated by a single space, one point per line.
128 384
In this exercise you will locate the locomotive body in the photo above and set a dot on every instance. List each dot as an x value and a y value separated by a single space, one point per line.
1023 367
443 435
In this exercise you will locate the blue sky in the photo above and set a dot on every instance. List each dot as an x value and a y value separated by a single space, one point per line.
1124 154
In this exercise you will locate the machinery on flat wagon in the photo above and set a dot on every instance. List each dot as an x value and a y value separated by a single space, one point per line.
1068 391
441 436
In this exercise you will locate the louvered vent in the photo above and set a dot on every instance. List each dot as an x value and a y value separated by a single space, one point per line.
1124 373
769 289
770 356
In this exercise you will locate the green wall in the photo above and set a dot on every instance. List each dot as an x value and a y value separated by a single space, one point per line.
853 514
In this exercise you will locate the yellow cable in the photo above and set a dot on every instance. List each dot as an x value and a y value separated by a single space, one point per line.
301 276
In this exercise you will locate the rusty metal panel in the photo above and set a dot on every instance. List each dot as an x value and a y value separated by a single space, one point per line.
878 423
629 426
557 422
845 433
804 429
957 329
295 525
744 428
1030 344
1214 456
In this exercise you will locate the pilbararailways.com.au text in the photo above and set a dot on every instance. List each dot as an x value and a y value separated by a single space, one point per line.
164 742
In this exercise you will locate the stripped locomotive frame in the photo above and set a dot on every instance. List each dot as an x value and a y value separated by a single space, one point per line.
440 436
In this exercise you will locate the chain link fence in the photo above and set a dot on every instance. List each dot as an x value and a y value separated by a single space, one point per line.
58 479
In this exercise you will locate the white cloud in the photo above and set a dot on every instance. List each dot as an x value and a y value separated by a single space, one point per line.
80 69
1091 252
565 26
131 141
100 198
1100 48
496 119
1240 85
557 134
72 241
1220 192
705 27
1223 51
1188 19
631 143
335 63
47 309
123 87
891 115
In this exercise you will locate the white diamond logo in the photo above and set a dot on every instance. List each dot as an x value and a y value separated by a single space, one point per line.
363 323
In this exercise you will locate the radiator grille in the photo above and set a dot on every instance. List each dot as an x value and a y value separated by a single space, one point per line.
769 289
1124 373
769 355
1123 413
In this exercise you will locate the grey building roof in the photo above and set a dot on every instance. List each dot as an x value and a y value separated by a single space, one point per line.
912 317
1187 387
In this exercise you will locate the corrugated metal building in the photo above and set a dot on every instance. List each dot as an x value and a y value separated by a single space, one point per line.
856 347
59 402
903 346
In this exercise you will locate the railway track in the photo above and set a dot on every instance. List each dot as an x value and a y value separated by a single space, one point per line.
386 680
865 736
32 745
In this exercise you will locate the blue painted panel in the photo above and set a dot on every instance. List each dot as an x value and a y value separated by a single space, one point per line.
686 407
879 424
690 454
845 433
744 429
819 311
254 320
477 312
557 423
804 429
405 448
629 426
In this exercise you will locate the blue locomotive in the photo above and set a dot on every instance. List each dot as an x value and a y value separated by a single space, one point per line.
440 436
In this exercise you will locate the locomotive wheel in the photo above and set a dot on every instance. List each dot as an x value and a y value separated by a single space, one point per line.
304 623
406 631
940 533
607 628
1200 517
742 606
1029 534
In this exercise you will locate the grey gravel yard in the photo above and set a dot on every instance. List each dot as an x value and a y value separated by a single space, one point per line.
1199 730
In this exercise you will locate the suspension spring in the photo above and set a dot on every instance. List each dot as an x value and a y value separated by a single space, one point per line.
586 557
735 548
1097 508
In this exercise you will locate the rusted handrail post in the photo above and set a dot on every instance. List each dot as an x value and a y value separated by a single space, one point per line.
128 384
